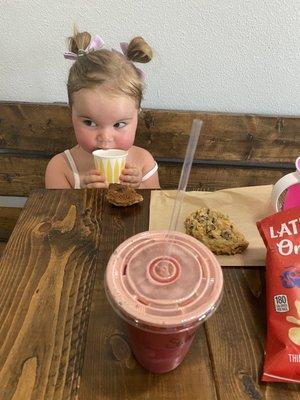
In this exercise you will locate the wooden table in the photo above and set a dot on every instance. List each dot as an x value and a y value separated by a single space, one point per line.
59 338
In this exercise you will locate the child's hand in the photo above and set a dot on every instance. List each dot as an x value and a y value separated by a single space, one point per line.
131 176
93 179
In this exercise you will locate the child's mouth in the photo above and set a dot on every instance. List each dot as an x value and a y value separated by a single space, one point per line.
103 148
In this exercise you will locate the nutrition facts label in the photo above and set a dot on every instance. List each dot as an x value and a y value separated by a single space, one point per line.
281 303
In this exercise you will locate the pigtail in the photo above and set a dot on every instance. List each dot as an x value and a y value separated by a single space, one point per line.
79 41
95 66
139 50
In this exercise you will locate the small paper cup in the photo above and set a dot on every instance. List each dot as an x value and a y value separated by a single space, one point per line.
110 163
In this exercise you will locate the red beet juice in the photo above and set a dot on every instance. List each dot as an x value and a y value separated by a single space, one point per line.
163 285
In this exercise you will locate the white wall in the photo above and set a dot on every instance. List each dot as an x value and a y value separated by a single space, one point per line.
213 55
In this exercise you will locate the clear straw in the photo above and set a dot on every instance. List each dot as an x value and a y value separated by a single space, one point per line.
185 172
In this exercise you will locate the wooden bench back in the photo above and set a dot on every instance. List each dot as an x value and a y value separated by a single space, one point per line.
253 149
232 148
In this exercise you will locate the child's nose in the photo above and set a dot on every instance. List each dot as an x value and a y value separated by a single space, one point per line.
105 134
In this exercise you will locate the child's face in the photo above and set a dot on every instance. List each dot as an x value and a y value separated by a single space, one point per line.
102 121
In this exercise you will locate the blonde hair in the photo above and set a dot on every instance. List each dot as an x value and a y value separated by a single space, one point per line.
105 67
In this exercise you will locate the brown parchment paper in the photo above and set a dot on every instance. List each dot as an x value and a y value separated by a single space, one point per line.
244 206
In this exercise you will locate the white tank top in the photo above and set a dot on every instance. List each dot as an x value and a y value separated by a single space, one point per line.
73 168
77 177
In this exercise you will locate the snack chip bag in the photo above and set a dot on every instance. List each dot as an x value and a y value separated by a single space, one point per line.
281 235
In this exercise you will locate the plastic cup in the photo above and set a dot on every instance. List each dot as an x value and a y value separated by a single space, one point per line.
162 299
110 163
286 191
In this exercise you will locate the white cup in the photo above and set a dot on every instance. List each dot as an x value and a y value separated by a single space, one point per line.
110 163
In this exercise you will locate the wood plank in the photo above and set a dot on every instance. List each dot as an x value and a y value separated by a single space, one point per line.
46 280
236 338
48 127
20 176
36 126
8 218
2 248
223 136
110 371
42 130
208 178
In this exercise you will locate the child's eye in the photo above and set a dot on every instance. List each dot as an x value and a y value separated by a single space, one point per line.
119 125
89 122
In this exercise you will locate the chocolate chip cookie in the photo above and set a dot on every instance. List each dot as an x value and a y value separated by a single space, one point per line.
122 196
216 231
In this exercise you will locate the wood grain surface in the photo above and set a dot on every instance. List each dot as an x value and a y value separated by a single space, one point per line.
2 248
46 277
227 353
8 220
48 128
60 338
211 178
110 371
20 176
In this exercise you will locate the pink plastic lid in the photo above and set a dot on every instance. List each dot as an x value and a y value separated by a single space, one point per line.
146 287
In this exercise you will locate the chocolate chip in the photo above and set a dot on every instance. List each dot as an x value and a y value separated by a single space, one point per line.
210 227
225 234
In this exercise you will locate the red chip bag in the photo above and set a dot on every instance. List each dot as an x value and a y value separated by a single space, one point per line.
281 234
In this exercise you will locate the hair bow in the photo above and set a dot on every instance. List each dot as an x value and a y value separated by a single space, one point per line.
124 48
96 43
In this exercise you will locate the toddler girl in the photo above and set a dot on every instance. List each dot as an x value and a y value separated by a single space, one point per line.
105 91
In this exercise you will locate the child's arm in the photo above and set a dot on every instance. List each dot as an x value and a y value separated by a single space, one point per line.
55 177
153 181
133 172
